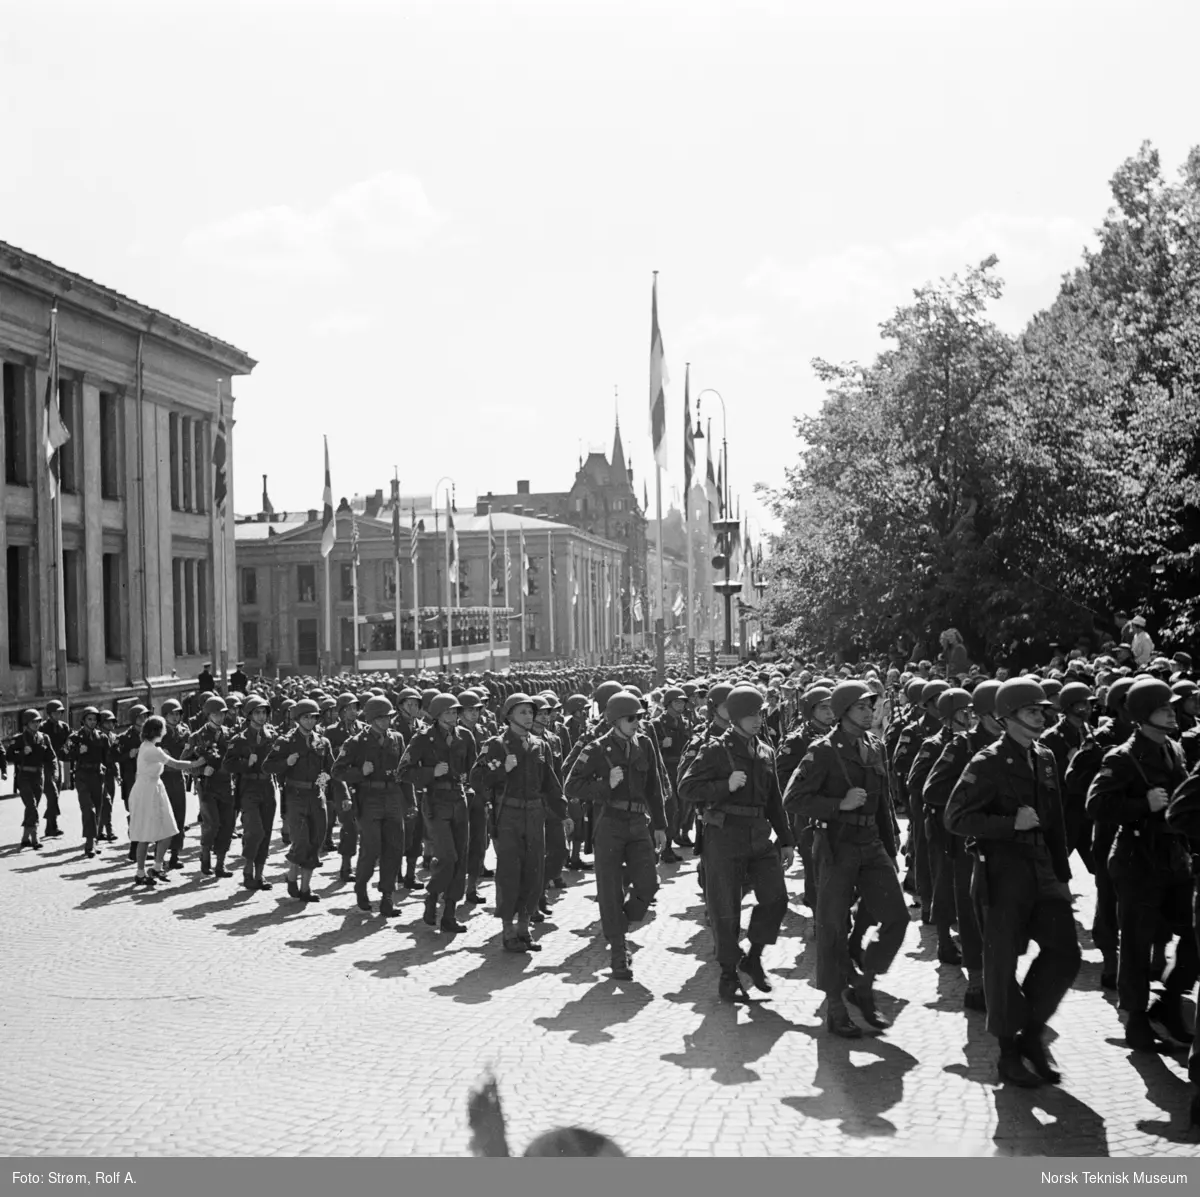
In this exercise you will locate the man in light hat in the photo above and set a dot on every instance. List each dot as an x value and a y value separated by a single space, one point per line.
1142 645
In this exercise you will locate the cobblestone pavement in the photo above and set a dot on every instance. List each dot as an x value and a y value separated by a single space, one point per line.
204 1019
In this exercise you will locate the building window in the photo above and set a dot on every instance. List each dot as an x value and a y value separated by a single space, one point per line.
187 497
202 606
189 579
110 446
114 604
532 645
250 641
306 642
347 657
176 488
306 583
20 605
16 426
346 576
72 593
69 456
250 588
200 463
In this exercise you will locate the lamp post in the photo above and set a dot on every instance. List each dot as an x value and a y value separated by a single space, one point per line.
724 527
445 639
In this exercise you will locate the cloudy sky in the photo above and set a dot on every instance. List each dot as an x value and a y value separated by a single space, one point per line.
434 224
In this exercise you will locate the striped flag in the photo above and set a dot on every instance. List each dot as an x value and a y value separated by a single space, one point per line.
396 524
328 523
418 526
689 440
720 492
637 608
524 565
55 432
492 582
710 478
220 482
354 538
452 546
658 382
677 605
645 497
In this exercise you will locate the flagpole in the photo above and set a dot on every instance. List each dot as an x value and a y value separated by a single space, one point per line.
629 600
449 605
219 546
441 609
524 587
53 438
416 596
660 637
396 566
550 585
491 571
354 585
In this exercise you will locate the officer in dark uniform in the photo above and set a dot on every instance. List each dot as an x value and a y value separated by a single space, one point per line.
217 811
1007 804
732 781
368 763
438 761
617 773
341 809
205 682
544 706
954 858
238 681
671 732
58 732
515 773
30 753
1149 865
303 762
245 761
87 750
841 786
174 743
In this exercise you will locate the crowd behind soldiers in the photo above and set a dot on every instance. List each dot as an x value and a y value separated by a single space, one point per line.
979 789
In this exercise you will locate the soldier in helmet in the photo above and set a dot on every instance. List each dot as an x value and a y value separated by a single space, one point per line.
1149 865
341 808
245 760
408 710
126 749
816 721
58 732
107 730
671 731
87 751
515 772
439 761
470 719
303 762
841 787
174 743
618 773
1071 735
732 782
368 765
30 753
1007 804
210 743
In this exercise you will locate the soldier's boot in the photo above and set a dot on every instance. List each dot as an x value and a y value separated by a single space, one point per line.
26 842
1032 1046
450 923
1011 1067
619 957
221 870
258 880
34 842
1166 1021
249 881
386 909
132 850
861 996
360 895
974 999
730 987
346 872
173 861
526 936
512 940
430 915
838 1021
948 952
1108 972
669 856
205 863
409 880
751 965
472 894
52 831
89 848
1139 1035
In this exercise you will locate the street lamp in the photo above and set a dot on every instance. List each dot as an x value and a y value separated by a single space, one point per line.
724 527
445 639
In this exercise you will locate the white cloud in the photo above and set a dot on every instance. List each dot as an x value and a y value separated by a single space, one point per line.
389 211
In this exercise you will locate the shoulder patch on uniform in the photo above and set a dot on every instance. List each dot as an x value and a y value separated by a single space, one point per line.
968 777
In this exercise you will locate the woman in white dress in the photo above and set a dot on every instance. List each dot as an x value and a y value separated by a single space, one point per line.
151 820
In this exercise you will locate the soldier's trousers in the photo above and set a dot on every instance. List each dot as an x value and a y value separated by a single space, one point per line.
345 818
922 877
804 845
624 862
520 856
128 777
671 809
306 821
1150 901
109 794
177 794
415 833
477 833
556 850
448 832
736 854
1079 832
1104 919
29 786
1018 900
51 789
258 820
89 788
951 865
380 838
217 816
581 835
850 862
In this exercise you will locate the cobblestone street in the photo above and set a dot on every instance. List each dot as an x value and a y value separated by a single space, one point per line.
204 1019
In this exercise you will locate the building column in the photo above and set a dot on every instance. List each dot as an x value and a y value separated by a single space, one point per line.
43 622
133 556
160 568
6 686
93 537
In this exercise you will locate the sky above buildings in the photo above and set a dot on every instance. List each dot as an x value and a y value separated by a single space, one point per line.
434 224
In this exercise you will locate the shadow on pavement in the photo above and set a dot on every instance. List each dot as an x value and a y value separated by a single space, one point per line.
951 985
1171 1094
283 909
356 925
1071 1128
607 1004
498 970
855 1096
980 1049
425 947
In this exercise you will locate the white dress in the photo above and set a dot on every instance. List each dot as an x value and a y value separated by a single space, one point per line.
150 815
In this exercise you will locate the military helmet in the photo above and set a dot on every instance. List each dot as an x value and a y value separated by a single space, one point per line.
169 705
1016 693
1145 697
407 693
469 700
89 711
932 690
846 694
53 705
813 697
743 702
107 716
327 704
378 708
951 701
255 702
137 711
718 694
622 705
983 697
516 700
346 699
306 706
427 696
912 691
1118 692
213 706
575 704
30 716
673 694
605 691
1073 693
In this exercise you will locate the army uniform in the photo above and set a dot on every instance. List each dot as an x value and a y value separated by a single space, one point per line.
174 743
1065 740
30 754
941 903
111 769
380 805
245 760
217 811
87 750
126 749
791 752
338 797
58 732
306 813
914 734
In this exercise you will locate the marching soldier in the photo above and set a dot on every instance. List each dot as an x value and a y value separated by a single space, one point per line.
30 753
1066 739
671 732
1007 803
58 732
245 760
470 718
341 809
369 763
618 773
817 721
210 743
516 771
841 786
126 748
107 729
408 707
174 743
87 750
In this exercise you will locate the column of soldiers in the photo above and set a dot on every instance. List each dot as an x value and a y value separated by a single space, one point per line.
1000 782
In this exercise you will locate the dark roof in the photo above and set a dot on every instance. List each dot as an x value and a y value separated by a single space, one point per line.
77 290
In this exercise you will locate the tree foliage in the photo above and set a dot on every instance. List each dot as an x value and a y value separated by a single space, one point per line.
1013 488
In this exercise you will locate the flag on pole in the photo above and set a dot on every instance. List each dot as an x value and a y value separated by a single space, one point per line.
645 497
710 478
720 492
493 584
689 440
418 526
54 430
354 538
637 608
452 541
396 527
677 606
328 523
524 565
658 382
220 483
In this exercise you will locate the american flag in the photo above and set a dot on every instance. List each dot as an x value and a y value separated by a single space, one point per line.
220 483
418 526
55 431
689 441
354 539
